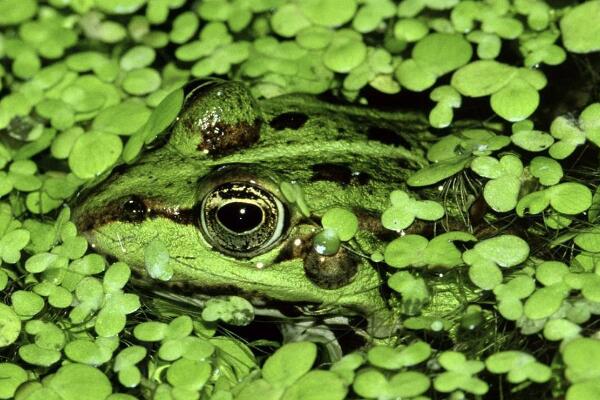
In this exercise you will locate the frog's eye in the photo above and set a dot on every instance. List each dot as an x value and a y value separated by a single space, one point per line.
242 219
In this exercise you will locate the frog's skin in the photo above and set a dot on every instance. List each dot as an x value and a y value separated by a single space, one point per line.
340 156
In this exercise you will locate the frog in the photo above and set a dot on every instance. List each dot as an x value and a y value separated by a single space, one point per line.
212 193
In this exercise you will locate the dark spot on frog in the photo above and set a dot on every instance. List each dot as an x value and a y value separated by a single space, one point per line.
221 138
339 173
386 136
360 178
331 272
290 120
331 172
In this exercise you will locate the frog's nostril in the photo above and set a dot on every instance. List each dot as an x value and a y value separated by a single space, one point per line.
134 209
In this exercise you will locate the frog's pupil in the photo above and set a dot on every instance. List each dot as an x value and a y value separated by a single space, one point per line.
240 216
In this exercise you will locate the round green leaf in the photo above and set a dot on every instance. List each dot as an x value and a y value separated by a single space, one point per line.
141 81
502 193
16 11
570 198
405 251
80 382
86 161
26 304
345 52
137 57
547 170
580 29
543 303
151 331
289 363
342 221
10 325
515 101
504 250
189 374
486 275
442 52
482 78
156 258
414 76
328 12
12 376
310 387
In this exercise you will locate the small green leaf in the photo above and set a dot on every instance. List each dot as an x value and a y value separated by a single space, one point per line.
156 258
342 221
580 32
289 363
10 325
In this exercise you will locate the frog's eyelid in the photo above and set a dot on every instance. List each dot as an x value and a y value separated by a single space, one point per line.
278 233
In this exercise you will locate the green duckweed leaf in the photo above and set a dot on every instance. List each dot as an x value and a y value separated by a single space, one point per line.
502 191
12 377
579 357
486 256
79 381
328 12
547 170
544 302
580 33
529 139
520 366
289 363
345 52
189 374
396 358
438 171
288 20
86 162
569 137
459 374
561 329
10 325
570 198
310 386
233 310
372 384
417 251
515 101
26 304
342 221
151 331
405 209
442 53
156 256
482 78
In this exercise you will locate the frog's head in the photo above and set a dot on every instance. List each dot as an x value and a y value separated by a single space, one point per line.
212 195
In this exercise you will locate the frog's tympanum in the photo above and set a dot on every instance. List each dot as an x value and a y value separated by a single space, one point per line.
212 194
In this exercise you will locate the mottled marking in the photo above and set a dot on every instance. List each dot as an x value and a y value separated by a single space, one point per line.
220 138
120 210
289 120
386 136
331 172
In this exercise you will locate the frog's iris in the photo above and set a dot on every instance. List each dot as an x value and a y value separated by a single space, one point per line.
242 219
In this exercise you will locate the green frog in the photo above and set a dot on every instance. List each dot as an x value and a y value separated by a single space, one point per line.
212 193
